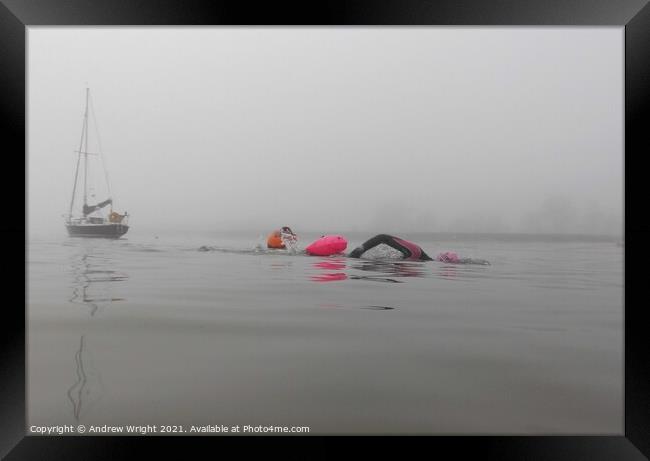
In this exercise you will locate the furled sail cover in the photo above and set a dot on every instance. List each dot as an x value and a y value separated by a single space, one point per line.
90 208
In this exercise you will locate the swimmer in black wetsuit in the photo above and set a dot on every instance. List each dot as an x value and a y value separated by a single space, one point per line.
409 249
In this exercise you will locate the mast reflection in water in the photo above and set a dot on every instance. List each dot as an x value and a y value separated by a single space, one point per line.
93 278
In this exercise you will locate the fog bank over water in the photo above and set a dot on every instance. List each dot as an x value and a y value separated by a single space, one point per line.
333 129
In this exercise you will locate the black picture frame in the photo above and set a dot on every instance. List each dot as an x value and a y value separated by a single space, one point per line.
633 15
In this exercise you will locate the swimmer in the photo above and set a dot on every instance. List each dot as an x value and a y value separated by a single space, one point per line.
281 238
411 251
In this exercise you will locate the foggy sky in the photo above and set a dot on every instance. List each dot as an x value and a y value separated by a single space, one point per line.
334 129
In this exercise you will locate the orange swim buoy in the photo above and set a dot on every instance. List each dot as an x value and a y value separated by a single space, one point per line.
274 240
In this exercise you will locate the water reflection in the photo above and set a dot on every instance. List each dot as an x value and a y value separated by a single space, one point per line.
92 276
93 280
329 270
396 269
88 388
334 269
447 271
329 277
76 390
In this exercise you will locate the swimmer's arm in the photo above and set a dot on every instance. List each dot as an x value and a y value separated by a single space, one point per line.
373 242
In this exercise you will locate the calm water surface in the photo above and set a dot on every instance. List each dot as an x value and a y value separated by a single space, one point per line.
147 330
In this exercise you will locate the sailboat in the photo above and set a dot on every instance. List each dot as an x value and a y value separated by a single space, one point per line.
91 221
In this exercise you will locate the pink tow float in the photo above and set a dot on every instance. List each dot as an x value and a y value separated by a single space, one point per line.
327 245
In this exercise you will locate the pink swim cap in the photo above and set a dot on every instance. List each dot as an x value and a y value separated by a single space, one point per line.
448 257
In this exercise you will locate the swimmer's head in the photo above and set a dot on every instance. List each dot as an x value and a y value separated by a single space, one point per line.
448 257
288 238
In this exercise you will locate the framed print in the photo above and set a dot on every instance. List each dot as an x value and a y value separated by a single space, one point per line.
272 226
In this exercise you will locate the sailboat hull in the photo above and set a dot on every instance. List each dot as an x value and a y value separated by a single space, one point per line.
111 230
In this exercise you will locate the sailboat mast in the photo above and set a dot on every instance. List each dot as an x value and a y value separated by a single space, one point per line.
86 153
81 141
